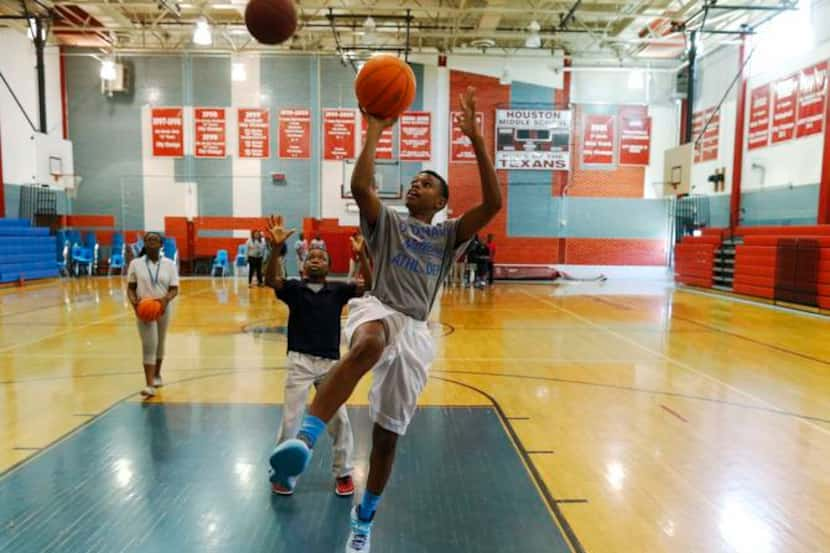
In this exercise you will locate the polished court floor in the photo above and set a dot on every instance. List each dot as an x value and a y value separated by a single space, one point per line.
632 418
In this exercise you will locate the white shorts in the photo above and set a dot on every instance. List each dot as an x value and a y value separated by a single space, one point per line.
401 373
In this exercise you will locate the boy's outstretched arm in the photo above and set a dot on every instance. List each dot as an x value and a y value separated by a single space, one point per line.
363 176
476 218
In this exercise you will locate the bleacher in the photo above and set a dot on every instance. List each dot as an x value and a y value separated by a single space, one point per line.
25 252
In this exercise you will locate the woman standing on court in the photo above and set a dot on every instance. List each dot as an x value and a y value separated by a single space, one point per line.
152 276
256 251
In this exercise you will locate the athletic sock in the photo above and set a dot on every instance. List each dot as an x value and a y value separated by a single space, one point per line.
368 506
311 429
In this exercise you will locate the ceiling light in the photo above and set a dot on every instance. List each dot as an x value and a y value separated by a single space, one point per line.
238 72
202 34
31 30
108 72
533 40
505 78
369 28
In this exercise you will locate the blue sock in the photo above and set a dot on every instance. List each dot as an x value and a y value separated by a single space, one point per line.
368 506
311 429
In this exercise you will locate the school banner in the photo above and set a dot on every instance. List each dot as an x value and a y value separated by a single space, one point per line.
635 135
812 94
338 134
784 96
598 139
168 132
295 133
759 105
210 132
534 139
254 133
415 138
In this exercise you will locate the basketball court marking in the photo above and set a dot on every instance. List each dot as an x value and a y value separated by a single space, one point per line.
83 326
676 362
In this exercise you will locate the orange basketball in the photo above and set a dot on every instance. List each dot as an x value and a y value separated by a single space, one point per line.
385 86
271 21
149 310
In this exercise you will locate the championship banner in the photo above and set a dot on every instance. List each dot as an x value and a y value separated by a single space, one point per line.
698 119
254 133
635 135
711 138
784 95
168 132
461 149
534 139
759 105
598 139
415 139
387 137
812 94
295 133
210 132
338 134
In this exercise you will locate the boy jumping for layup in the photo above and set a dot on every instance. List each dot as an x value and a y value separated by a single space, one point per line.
387 329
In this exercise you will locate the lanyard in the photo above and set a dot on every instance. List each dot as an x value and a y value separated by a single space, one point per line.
153 280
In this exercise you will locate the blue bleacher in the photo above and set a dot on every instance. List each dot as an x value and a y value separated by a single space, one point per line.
25 251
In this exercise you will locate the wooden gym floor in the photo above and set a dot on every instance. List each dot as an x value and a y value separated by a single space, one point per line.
645 420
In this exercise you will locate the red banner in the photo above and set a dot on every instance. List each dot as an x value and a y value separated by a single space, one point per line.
387 137
711 137
295 133
812 93
415 136
168 132
338 134
254 133
598 139
698 119
461 149
784 94
635 135
758 117
210 132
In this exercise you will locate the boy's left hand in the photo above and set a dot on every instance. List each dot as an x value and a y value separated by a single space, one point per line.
467 119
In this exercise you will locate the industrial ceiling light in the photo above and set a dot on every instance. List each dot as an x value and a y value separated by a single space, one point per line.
32 28
505 78
238 72
108 72
201 33
369 28
533 40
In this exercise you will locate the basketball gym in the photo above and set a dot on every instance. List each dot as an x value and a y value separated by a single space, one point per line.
631 357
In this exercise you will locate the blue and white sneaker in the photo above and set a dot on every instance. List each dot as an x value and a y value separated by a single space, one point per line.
289 459
360 537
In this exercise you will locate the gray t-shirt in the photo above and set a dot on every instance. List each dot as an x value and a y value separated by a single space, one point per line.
410 259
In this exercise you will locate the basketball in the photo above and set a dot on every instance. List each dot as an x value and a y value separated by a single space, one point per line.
149 310
271 21
385 86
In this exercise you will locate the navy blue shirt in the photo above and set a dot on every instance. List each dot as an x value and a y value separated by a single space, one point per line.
314 317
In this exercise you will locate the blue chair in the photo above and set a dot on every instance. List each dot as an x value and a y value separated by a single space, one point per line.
91 244
221 262
241 255
81 257
116 259
170 250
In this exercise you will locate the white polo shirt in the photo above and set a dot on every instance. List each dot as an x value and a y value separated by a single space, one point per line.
154 280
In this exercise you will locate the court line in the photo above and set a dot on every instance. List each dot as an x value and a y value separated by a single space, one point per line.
547 495
735 334
680 364
82 327
674 413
